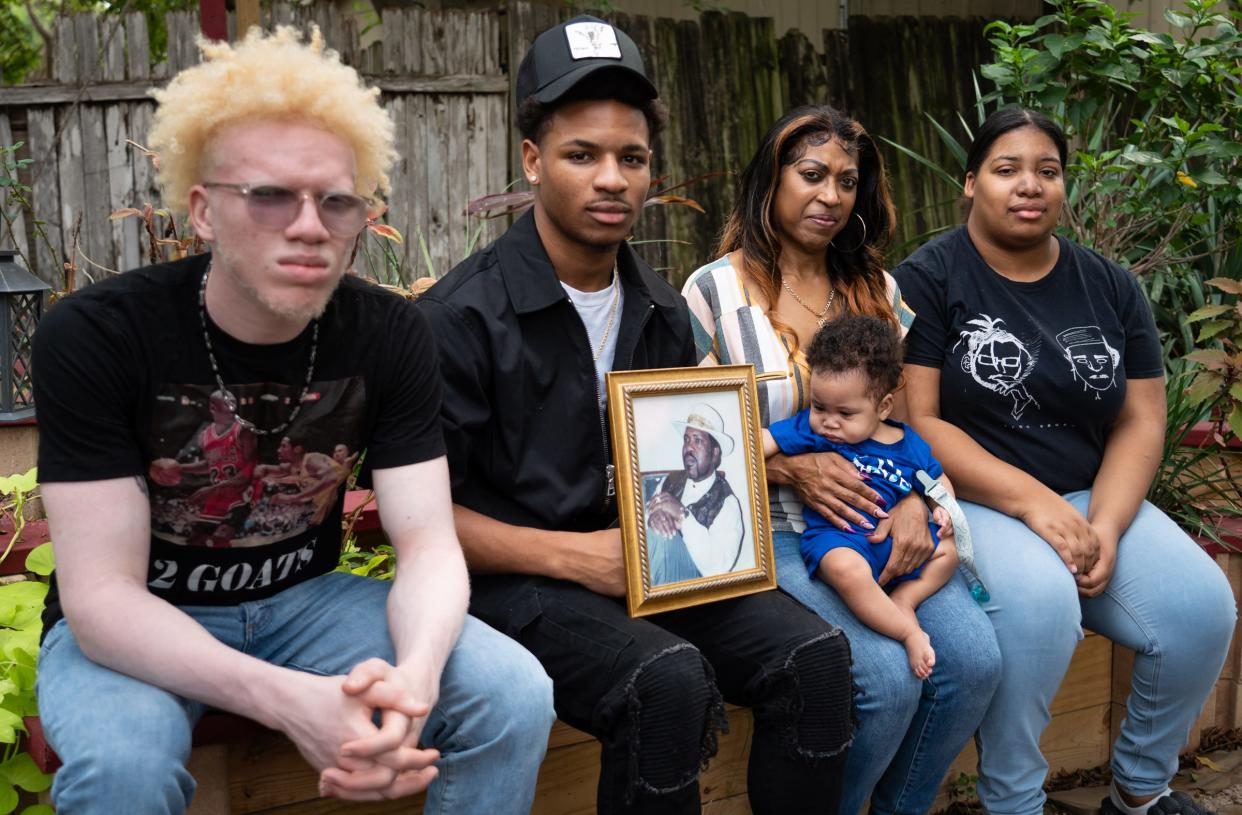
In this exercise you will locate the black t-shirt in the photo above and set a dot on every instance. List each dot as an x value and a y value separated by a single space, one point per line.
1034 372
123 387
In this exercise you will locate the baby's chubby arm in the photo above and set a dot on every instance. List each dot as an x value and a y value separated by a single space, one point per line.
938 513
770 447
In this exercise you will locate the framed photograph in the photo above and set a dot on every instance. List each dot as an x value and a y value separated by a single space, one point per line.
692 492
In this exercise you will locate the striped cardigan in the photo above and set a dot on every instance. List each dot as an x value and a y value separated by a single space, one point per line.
729 329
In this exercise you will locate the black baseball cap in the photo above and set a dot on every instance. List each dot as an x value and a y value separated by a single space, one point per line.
563 56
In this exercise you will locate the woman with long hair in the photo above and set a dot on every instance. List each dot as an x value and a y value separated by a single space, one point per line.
802 246
1035 371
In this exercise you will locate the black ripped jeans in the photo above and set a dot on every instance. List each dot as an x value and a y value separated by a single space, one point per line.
652 690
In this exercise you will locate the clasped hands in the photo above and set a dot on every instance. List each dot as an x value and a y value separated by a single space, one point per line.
665 513
358 760
1088 548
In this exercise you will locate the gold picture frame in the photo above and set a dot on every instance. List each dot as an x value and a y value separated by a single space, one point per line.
690 480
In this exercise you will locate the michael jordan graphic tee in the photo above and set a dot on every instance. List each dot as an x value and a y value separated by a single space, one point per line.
124 388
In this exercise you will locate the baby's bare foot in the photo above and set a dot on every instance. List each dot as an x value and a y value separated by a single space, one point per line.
919 650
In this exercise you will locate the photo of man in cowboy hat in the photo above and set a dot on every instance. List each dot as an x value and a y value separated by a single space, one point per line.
694 521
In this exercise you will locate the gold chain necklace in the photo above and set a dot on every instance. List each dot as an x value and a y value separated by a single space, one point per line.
821 317
612 312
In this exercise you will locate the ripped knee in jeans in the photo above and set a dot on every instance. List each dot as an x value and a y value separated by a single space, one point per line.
809 698
672 715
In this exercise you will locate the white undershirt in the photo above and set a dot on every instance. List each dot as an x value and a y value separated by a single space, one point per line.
594 307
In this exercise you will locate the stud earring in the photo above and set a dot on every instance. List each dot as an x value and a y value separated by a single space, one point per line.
534 179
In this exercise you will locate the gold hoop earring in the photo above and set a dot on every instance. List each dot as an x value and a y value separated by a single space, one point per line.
861 243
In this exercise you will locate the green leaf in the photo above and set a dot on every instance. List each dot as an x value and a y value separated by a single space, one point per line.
1212 358
20 771
1212 178
24 592
1143 157
926 162
41 561
8 797
10 726
1235 390
1205 313
26 481
1235 421
1000 74
38 809
1204 387
952 144
1212 328
1177 19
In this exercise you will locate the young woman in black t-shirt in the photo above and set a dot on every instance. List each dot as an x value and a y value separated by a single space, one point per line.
1035 372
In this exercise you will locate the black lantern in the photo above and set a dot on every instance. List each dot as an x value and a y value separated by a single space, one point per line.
21 306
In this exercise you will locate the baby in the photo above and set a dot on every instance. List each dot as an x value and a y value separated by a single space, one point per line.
855 369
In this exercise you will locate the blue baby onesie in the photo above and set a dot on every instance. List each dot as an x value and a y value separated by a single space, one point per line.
890 470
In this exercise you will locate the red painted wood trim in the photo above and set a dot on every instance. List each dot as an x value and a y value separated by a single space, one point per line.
213 19
1201 434
1230 533
369 519
34 534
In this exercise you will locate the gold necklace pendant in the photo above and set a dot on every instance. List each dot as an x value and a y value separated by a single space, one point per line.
820 316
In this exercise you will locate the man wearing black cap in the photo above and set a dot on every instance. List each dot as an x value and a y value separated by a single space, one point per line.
527 328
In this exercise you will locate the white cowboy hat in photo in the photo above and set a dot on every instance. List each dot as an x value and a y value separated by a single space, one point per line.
706 418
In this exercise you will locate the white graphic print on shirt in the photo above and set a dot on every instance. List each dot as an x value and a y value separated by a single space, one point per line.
1090 356
999 361
882 468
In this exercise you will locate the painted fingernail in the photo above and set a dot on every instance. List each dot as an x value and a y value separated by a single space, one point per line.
879 513
868 525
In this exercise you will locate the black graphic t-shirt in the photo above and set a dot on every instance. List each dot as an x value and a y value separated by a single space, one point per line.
123 387
1034 372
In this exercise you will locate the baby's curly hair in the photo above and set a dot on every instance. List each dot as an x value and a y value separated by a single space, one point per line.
859 342
267 77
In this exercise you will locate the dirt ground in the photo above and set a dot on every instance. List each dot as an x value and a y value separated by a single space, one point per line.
1212 774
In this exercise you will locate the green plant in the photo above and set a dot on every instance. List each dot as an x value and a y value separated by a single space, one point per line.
21 610
1218 384
379 562
1194 485
16 201
27 29
1156 179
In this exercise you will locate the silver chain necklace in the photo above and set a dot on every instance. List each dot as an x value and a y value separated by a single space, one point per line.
821 317
215 368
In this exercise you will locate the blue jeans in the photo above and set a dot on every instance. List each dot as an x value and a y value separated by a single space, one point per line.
909 731
1167 601
124 743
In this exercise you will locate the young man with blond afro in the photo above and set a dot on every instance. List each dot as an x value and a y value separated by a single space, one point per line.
274 149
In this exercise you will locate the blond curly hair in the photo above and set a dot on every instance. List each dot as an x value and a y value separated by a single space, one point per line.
267 77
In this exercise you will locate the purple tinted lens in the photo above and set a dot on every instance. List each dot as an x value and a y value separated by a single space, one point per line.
276 207
343 214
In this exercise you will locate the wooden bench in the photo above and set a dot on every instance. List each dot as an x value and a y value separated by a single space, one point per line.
245 769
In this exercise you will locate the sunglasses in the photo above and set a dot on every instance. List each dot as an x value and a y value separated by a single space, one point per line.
342 213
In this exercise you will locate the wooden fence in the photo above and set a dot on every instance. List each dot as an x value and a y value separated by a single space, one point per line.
447 80
442 83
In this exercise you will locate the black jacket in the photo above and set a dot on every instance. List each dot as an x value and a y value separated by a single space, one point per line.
526 442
